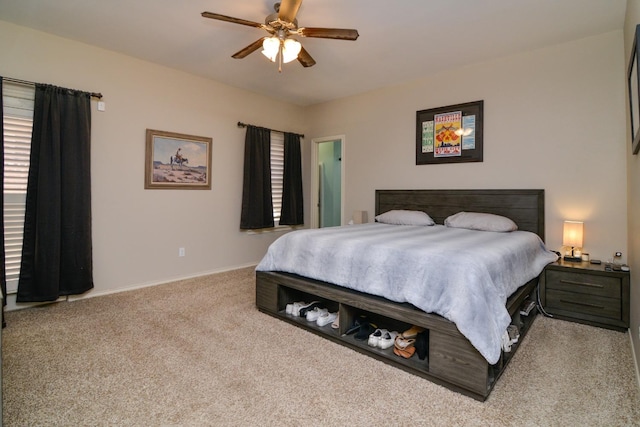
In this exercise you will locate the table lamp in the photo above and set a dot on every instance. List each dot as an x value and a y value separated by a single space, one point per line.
360 217
572 235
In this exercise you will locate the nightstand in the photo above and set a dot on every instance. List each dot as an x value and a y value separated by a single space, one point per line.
586 293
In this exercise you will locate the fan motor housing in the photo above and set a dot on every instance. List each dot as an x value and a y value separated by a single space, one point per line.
274 22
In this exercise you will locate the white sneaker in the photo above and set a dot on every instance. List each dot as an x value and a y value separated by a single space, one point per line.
506 342
387 340
374 338
514 333
312 315
326 318
304 307
294 308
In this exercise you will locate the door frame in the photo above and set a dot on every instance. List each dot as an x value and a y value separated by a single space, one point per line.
315 184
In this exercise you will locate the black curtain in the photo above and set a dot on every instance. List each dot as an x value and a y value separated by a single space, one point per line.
3 272
257 205
57 248
292 207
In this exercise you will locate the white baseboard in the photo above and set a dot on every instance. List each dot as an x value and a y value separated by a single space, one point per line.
635 359
12 305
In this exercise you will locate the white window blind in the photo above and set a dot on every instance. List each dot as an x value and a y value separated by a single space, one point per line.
17 103
277 173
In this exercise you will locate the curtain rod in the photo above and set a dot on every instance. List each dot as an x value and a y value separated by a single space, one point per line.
244 125
25 82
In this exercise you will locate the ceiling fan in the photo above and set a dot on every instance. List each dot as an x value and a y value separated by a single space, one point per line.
281 26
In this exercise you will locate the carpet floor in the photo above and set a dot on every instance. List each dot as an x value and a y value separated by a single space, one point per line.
198 353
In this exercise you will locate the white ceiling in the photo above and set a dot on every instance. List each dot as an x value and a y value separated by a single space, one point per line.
399 40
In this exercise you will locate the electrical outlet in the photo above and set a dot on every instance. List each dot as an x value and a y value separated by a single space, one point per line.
181 252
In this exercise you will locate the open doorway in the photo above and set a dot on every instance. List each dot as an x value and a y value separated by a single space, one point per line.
327 181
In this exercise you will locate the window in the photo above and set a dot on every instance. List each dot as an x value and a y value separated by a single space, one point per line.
277 173
17 103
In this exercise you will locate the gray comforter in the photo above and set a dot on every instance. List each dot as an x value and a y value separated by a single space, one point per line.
463 275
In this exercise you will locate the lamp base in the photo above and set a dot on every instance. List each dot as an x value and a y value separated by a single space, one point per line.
572 258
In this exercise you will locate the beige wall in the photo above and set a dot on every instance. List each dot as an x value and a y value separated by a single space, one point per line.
633 193
137 232
554 119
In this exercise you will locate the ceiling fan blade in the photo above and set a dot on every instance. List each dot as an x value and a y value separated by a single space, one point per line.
231 19
249 49
288 10
305 59
329 33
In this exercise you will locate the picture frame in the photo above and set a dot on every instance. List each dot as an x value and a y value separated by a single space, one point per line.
177 161
451 134
633 84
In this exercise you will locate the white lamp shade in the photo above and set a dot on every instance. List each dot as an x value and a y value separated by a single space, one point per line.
270 48
573 234
290 50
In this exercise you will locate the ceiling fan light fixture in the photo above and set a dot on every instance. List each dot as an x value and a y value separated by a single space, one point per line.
282 24
290 50
271 47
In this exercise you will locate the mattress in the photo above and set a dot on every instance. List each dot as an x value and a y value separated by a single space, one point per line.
463 275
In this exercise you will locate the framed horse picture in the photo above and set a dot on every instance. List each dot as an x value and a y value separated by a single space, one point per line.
177 161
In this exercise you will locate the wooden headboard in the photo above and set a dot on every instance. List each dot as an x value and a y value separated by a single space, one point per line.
524 207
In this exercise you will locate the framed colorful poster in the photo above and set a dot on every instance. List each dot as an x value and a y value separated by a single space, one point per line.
451 134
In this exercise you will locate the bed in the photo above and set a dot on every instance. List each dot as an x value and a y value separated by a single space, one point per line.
465 323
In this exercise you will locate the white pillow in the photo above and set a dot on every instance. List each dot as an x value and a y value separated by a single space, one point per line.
405 217
480 221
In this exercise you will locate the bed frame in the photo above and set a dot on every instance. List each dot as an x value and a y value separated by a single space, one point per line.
452 361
